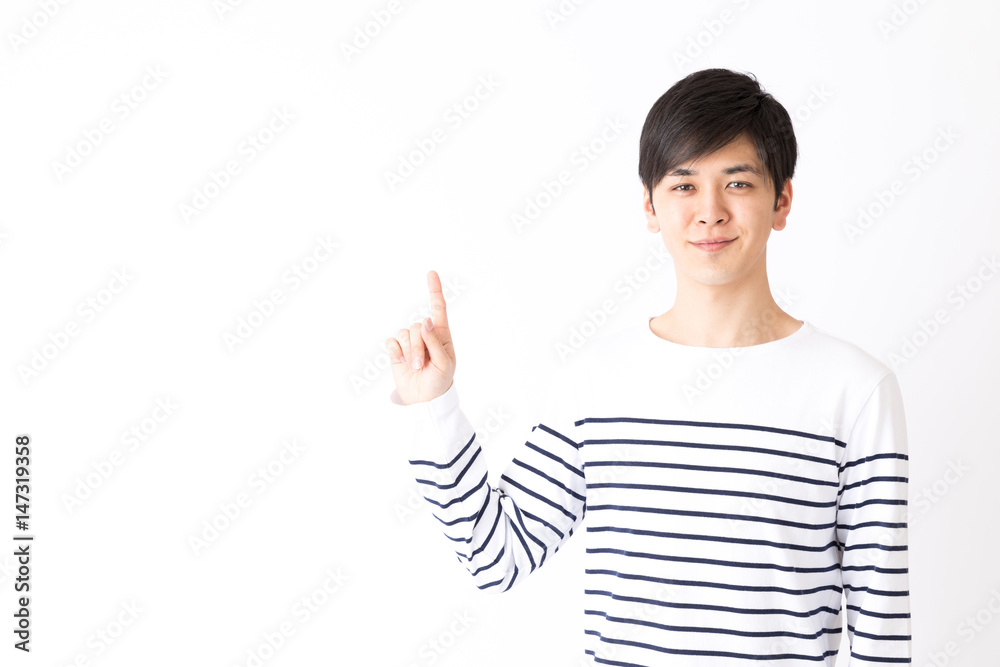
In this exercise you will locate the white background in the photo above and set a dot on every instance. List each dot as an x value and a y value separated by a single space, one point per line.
865 100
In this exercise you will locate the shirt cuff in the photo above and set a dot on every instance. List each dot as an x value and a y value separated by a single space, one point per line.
436 429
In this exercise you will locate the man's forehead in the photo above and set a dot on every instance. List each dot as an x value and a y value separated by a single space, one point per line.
738 156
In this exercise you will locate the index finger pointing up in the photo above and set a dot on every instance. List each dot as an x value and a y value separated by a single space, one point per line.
439 311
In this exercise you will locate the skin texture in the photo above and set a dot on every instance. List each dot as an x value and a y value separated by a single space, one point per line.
723 297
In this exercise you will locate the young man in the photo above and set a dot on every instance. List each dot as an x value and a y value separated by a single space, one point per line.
728 522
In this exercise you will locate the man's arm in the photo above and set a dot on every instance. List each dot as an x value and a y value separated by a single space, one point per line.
871 528
503 533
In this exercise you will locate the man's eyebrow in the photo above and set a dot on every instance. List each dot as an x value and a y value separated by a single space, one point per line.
742 168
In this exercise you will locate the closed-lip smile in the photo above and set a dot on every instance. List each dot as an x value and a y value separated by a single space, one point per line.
711 245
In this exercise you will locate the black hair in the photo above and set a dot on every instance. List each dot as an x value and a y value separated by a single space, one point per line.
705 111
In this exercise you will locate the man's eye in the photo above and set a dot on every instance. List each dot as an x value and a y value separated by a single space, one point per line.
743 186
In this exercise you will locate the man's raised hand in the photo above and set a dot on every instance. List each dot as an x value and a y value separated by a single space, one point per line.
423 357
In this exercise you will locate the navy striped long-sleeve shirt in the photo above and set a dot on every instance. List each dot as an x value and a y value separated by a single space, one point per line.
735 498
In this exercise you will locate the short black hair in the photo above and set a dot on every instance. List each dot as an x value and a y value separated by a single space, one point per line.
705 111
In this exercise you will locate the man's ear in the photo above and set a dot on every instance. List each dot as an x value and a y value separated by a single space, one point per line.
784 206
652 224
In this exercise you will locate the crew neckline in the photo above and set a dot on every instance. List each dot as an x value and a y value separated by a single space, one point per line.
801 332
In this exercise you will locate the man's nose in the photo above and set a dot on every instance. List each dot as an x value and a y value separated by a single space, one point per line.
711 207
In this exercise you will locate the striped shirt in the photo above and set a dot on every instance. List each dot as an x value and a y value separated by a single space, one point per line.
735 498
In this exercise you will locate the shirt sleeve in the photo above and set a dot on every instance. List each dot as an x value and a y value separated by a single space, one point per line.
504 532
872 530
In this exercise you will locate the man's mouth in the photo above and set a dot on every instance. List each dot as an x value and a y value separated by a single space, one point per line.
711 245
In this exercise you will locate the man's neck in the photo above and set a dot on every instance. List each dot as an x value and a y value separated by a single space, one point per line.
724 320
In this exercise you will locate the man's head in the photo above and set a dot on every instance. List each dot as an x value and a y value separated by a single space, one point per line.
707 110
716 157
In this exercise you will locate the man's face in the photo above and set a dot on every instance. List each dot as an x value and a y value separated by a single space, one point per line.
725 196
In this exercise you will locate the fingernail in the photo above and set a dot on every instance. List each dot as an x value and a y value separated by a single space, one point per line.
429 324
415 364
